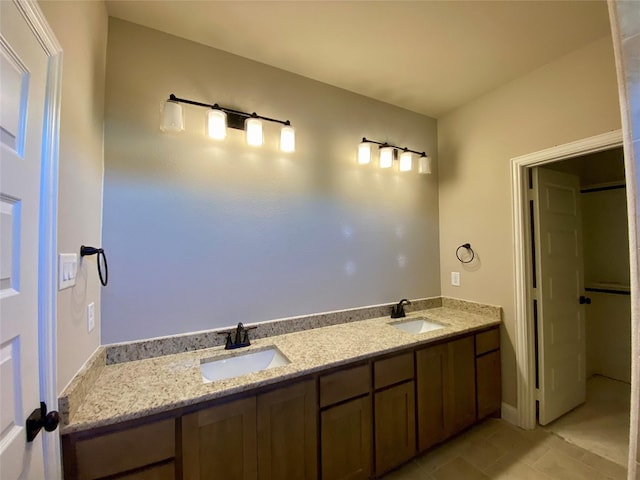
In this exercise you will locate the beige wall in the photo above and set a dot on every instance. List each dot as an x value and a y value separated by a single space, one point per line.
81 28
571 98
606 265
203 234
608 328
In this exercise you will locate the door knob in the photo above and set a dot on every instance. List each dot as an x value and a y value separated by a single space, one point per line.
39 419
584 300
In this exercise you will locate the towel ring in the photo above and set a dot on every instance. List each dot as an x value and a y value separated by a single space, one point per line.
469 249
101 259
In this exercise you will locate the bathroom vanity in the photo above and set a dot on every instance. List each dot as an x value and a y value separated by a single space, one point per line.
356 400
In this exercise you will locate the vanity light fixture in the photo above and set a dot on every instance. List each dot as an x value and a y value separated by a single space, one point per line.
406 161
220 118
389 153
386 156
287 138
364 152
253 126
217 124
172 117
424 164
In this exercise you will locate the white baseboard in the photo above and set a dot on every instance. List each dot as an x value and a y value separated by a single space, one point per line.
509 413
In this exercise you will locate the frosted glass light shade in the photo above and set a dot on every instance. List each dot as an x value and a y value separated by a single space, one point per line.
424 165
217 124
386 157
254 132
287 139
172 117
364 153
406 162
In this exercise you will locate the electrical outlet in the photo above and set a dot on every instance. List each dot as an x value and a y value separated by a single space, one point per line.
455 279
91 316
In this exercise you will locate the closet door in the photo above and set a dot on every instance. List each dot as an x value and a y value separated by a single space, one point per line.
560 274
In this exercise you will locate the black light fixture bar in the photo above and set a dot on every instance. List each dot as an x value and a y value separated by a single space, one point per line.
236 117
385 144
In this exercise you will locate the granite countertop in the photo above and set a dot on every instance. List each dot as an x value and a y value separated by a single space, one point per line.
130 390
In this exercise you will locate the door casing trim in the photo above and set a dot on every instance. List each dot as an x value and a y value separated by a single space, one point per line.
525 349
48 225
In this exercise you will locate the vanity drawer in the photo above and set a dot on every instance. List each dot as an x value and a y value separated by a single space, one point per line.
393 370
126 450
488 341
344 384
166 471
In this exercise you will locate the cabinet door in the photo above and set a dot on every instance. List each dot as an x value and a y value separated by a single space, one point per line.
220 442
489 384
346 442
432 394
159 472
287 433
460 411
395 426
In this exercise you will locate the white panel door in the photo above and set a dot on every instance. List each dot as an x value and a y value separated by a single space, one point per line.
560 283
23 77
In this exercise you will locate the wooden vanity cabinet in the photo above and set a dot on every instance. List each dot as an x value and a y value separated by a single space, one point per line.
143 451
346 441
269 436
165 471
432 392
355 423
446 390
395 427
461 405
394 412
346 424
488 378
221 442
287 433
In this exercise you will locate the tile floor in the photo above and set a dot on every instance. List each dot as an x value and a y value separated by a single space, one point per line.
601 425
495 449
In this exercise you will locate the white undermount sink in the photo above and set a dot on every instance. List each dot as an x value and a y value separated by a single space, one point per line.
417 325
241 364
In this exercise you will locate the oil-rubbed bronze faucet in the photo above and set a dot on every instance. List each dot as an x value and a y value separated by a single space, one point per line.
241 337
397 311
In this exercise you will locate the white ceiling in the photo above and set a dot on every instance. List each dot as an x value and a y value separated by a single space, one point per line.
426 56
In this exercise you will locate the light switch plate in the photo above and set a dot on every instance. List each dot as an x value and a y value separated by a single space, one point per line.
91 316
455 279
67 270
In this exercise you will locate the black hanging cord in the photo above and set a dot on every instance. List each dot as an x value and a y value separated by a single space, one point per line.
469 249
84 251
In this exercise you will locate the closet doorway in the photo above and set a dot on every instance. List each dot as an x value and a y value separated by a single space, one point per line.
582 349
